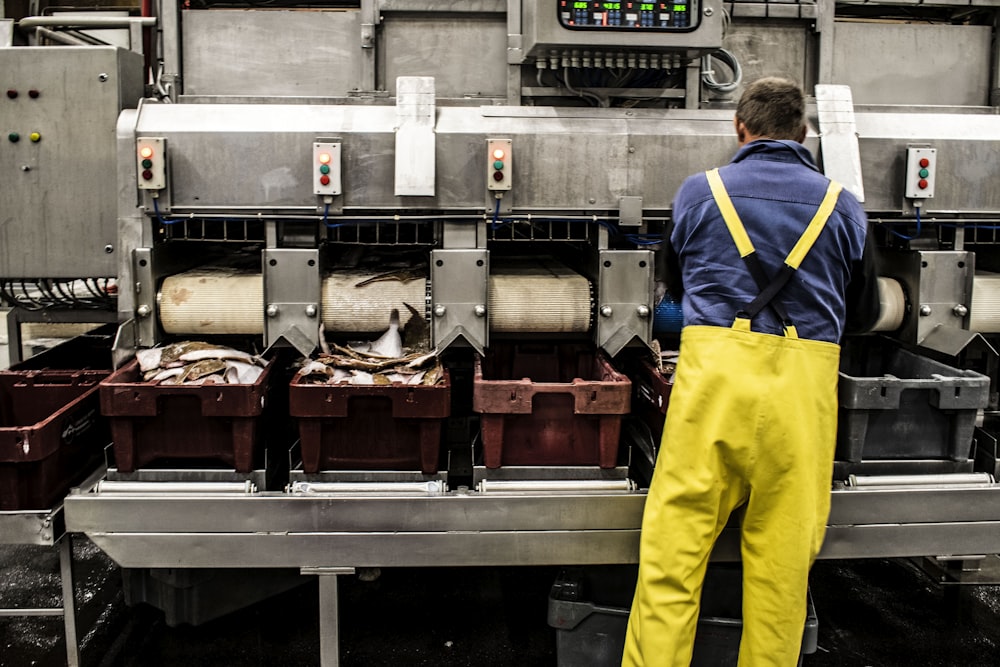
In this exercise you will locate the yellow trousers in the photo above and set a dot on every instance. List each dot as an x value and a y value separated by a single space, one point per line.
752 422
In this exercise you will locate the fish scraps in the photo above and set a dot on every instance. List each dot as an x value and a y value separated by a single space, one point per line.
344 365
195 363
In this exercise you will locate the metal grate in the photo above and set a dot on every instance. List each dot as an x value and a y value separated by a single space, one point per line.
382 233
225 231
540 230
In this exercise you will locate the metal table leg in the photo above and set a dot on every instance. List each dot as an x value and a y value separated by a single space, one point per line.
329 620
69 600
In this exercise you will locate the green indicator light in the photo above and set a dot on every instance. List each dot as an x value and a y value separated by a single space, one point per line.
146 164
14 137
324 169
581 5
646 7
924 173
680 8
498 164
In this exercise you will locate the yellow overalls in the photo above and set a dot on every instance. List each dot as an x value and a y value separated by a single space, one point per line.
752 421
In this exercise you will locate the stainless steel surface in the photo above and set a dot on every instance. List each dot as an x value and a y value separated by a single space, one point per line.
390 488
465 54
461 528
415 139
58 199
493 486
877 61
272 52
940 480
329 639
459 283
625 277
839 137
935 282
292 289
40 527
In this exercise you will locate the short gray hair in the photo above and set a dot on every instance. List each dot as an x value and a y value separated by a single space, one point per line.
773 107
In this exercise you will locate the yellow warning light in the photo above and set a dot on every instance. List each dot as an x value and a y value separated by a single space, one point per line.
498 154
146 151
324 158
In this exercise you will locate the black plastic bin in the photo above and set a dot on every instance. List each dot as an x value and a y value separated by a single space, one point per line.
898 405
589 607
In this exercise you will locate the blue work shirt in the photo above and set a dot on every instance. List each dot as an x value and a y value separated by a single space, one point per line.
776 189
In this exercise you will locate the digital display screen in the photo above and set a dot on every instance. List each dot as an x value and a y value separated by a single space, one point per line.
670 16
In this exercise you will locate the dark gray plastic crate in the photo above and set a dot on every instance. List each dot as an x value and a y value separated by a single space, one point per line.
589 607
895 404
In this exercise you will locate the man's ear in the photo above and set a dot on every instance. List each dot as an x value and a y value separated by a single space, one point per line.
741 130
802 135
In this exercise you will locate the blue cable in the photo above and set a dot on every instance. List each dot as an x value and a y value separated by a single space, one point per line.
904 236
156 210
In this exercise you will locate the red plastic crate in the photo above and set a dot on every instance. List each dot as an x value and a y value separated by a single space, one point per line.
549 404
218 422
652 396
51 434
370 427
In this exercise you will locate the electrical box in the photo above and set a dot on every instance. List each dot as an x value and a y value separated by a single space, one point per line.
326 168
59 107
608 31
151 163
499 164
920 166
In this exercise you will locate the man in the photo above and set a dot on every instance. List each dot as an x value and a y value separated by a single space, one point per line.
773 260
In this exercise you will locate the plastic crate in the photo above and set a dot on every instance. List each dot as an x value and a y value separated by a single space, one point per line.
549 404
214 422
589 608
652 396
370 427
898 405
51 434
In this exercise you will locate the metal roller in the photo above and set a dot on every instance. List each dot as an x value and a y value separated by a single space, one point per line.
940 481
892 305
539 297
212 302
524 297
434 487
985 311
549 485
175 488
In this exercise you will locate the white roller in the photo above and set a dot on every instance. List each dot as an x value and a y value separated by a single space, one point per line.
220 301
985 311
892 305
210 301
350 308
538 298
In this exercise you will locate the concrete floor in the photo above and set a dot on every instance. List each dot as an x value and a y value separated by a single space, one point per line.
878 613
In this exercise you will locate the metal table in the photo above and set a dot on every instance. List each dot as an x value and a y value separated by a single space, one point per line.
46 528
329 534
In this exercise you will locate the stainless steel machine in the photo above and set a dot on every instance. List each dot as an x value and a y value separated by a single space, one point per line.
501 170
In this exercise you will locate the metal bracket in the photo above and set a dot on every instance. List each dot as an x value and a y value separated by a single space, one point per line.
460 292
620 319
292 297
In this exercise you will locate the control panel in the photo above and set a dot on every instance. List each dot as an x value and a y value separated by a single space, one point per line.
499 165
151 163
675 16
920 166
326 168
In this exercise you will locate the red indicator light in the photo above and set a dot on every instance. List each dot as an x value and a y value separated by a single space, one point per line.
324 158
33 94
11 93
497 175
147 175
146 152
922 184
324 179
924 162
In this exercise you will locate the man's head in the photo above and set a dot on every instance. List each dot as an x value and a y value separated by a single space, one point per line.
771 108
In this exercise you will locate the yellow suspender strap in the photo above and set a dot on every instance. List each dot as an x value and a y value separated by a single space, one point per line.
733 222
816 225
739 232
